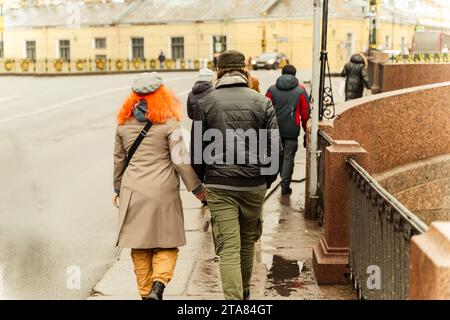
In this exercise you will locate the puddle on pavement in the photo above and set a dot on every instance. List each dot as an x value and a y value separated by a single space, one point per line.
284 275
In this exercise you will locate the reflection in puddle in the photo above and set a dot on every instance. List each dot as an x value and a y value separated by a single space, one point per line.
283 275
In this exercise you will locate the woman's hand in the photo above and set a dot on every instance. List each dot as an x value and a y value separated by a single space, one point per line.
116 200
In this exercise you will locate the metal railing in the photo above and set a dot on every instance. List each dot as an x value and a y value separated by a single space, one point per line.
323 141
380 232
421 58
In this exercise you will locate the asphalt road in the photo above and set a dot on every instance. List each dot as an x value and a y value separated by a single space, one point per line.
56 142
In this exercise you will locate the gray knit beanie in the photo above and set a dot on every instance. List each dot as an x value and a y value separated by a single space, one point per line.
147 83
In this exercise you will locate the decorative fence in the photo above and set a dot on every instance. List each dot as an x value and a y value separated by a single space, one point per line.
421 58
60 66
380 233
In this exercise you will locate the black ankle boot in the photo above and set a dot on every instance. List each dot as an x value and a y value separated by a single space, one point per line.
247 294
157 291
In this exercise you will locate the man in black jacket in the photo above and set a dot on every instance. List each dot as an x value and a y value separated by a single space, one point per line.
291 103
235 149
201 88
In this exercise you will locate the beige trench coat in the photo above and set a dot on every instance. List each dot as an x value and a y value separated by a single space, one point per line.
150 211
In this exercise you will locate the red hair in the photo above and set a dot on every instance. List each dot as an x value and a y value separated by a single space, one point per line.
162 105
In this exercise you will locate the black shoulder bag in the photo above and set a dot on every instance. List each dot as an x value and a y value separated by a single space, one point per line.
136 144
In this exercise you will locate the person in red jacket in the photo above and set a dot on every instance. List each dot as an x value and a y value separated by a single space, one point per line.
291 102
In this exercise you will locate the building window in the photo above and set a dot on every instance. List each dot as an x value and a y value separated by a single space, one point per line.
100 43
219 44
137 48
349 45
1 50
30 50
64 49
387 43
177 48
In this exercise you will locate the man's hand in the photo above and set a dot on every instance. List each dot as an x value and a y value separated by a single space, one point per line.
116 200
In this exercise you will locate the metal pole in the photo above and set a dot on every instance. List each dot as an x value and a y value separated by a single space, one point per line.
1 29
313 198
323 58
374 8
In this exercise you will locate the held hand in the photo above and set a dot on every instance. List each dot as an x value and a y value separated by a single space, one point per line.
116 200
201 195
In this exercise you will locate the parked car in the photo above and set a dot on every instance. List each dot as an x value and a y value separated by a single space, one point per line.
269 60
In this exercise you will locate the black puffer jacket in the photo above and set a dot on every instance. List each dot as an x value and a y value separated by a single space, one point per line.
356 74
200 89
230 107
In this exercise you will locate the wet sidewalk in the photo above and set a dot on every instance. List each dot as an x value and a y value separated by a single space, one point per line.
283 262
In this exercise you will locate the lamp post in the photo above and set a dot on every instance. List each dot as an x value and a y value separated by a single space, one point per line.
322 99
2 25
264 36
313 153
374 8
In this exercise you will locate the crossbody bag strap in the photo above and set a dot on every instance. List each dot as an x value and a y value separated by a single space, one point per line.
136 143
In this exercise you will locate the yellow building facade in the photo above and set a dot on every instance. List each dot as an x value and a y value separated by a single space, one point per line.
192 40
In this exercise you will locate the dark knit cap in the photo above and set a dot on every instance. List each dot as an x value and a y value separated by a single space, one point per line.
231 59
289 69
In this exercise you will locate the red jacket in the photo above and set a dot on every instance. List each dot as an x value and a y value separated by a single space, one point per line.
291 102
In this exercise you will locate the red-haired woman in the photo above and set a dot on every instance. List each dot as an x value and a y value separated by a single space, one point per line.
151 219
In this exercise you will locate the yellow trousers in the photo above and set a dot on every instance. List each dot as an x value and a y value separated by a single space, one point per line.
153 265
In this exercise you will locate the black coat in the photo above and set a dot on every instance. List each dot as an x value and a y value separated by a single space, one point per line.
356 74
200 90
230 107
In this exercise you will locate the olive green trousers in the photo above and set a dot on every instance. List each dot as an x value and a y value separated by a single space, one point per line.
236 219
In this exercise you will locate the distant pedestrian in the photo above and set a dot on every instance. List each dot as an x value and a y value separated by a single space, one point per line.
201 88
146 182
254 84
357 79
291 103
162 59
235 190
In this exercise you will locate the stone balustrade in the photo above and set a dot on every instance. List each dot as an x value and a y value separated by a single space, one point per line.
385 132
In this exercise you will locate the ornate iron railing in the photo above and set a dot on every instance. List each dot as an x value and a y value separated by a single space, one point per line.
89 65
326 98
380 232
323 142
